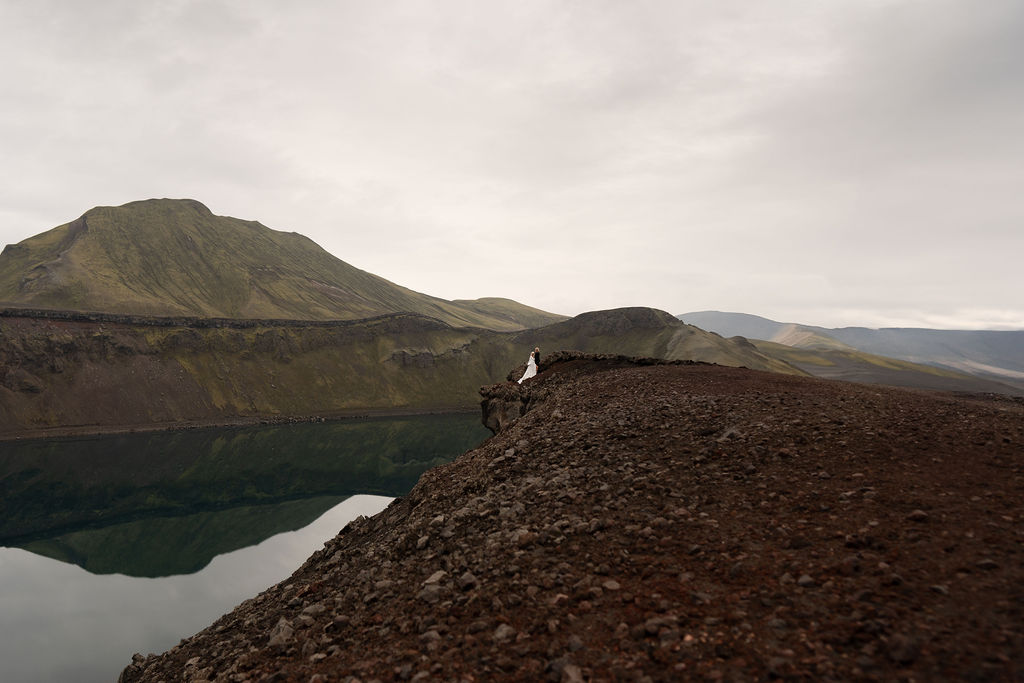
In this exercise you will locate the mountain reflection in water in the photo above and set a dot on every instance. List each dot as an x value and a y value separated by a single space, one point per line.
166 503
165 546
218 514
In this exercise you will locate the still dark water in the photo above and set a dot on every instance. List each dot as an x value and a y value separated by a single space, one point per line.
121 544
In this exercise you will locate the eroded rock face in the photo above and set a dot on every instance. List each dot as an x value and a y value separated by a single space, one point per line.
674 522
61 370
503 405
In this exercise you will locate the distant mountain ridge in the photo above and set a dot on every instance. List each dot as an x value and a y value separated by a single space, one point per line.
174 257
996 355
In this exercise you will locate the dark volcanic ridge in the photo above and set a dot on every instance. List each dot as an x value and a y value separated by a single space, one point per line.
666 522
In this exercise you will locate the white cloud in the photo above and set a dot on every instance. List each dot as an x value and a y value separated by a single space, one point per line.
813 160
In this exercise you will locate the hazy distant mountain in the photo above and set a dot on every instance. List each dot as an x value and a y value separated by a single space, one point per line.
733 324
170 257
991 354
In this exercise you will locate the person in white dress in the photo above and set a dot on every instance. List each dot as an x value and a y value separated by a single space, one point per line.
531 368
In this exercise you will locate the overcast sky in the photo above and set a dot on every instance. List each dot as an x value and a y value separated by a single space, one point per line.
837 163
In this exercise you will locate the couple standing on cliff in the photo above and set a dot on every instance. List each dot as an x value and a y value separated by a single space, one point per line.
532 365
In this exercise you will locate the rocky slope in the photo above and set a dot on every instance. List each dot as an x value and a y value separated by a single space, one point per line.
646 522
174 257
69 371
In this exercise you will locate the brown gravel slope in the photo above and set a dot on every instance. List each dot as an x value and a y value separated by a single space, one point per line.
669 522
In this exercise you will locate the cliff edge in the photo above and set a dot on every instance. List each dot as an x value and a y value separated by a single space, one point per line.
665 522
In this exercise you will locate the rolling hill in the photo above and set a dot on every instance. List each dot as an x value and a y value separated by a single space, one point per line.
174 257
994 358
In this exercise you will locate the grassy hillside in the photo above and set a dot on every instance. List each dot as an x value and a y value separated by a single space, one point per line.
652 333
174 257
994 357
856 366
56 372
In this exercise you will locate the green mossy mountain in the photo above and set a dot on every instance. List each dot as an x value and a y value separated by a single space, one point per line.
174 257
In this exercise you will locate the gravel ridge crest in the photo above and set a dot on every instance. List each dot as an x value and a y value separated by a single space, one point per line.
641 521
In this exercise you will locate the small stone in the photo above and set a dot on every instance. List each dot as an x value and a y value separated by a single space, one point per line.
987 564
575 643
503 632
940 589
467 581
430 594
805 581
315 609
893 580
436 577
525 538
918 516
572 674
281 633
700 598
611 585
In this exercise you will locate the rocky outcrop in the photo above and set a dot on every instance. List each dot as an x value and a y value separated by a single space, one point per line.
668 522
503 404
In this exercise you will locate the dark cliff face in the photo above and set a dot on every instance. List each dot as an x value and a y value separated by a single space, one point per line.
93 371
118 371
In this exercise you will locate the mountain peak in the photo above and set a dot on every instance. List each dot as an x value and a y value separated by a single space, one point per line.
164 203
174 257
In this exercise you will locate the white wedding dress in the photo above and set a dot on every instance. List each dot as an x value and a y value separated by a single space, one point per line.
531 369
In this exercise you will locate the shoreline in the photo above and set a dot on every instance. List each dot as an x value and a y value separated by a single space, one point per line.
81 431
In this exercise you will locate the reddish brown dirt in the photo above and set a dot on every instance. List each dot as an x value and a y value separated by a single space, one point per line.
669 523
